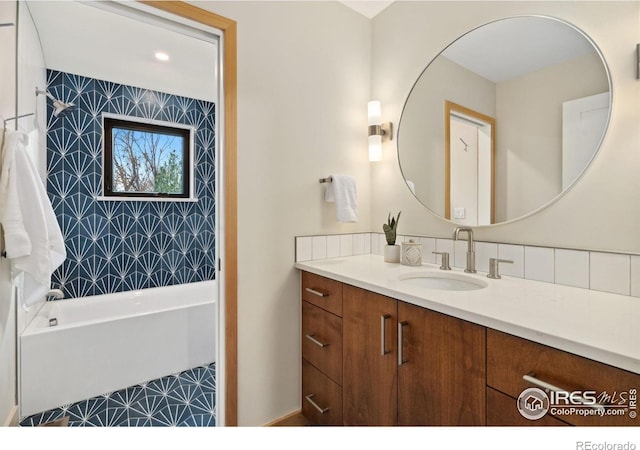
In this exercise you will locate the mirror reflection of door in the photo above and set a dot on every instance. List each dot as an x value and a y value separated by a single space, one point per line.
469 166
582 120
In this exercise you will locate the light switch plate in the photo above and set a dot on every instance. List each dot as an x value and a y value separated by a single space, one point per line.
458 213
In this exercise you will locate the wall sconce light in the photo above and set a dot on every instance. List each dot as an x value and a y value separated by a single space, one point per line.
378 131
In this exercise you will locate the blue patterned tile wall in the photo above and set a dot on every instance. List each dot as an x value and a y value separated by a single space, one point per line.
115 246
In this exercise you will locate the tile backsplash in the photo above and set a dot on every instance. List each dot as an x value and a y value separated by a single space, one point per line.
115 246
312 248
601 271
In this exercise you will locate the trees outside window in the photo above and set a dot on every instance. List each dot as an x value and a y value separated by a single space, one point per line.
145 160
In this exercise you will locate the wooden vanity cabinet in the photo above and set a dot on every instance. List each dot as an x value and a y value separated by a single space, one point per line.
380 361
510 357
356 372
321 350
441 378
406 365
370 362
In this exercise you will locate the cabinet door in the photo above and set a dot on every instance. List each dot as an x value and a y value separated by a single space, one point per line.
369 386
441 379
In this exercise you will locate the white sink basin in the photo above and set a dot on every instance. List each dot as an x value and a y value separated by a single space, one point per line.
443 281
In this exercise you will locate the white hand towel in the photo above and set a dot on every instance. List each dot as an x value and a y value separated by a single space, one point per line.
33 239
342 191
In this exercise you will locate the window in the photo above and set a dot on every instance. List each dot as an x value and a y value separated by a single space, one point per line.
146 159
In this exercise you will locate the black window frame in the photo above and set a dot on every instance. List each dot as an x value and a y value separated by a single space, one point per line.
109 123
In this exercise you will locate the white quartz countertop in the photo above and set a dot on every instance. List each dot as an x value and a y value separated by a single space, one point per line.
597 325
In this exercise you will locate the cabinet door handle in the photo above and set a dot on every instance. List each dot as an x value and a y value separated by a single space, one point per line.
315 405
318 293
315 341
531 378
401 326
383 334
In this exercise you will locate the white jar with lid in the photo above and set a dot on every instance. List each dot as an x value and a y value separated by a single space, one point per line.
411 253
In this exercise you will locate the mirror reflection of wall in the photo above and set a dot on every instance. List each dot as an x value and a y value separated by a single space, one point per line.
529 110
521 71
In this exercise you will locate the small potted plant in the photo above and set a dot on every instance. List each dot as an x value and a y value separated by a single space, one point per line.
391 250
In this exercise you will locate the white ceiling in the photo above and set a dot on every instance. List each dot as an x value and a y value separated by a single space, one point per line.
367 8
82 39
533 44
87 45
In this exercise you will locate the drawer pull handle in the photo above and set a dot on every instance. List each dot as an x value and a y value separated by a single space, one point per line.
318 293
315 341
315 405
531 378
401 326
383 334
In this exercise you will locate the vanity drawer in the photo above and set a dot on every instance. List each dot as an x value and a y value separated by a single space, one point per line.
322 340
509 358
321 397
322 292
503 412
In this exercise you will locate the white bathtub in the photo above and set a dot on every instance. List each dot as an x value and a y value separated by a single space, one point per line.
109 342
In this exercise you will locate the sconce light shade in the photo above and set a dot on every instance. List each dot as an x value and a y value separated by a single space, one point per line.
375 148
376 131
374 112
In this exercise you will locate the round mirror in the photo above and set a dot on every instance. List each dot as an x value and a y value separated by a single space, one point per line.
504 120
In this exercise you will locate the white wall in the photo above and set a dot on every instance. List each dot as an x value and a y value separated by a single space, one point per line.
7 309
601 212
303 87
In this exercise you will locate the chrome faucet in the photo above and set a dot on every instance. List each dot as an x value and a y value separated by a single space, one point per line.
494 266
471 254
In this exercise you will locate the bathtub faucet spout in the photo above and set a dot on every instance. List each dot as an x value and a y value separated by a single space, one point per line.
55 293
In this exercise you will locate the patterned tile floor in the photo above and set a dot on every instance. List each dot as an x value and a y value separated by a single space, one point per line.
185 399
